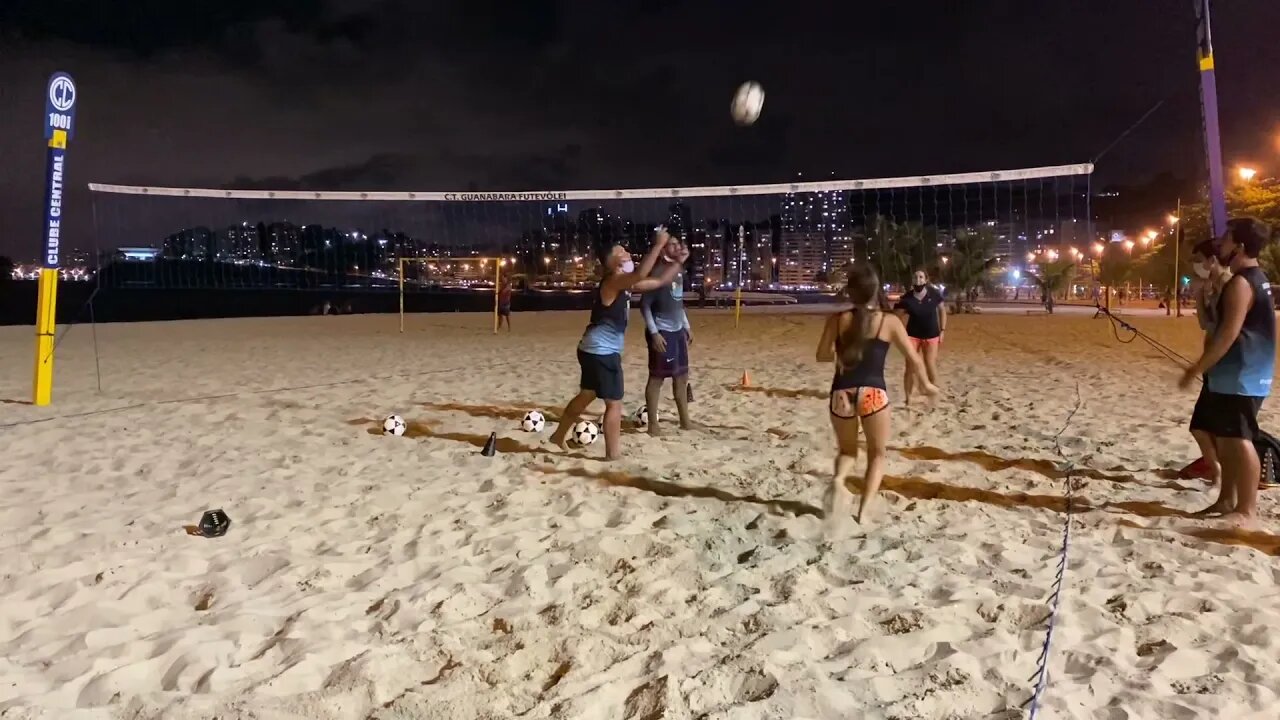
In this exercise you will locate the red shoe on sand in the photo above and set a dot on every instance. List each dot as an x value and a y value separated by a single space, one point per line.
1197 469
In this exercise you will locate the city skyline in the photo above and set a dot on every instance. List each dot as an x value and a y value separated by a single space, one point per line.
344 96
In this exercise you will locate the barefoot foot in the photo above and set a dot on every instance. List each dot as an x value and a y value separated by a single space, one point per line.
1240 521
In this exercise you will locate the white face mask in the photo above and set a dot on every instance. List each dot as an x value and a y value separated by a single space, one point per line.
1200 269
627 266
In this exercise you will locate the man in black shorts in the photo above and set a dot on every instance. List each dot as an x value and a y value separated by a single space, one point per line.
1237 365
669 335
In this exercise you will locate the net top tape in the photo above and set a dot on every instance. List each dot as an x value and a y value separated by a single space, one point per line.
631 194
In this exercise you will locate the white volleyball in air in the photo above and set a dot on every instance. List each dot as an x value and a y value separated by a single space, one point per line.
747 103
533 421
585 432
394 425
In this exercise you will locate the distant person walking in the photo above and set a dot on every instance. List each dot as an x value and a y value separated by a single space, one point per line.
504 303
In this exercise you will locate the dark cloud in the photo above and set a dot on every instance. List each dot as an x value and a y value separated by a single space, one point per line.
456 94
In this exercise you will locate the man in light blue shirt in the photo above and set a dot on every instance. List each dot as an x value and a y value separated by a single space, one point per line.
669 336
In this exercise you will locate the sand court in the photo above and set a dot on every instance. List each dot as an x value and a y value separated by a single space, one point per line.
366 576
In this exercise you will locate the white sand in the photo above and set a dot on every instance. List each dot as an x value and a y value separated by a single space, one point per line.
373 577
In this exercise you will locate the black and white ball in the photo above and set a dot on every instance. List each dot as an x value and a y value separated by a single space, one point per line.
640 418
394 425
533 422
747 103
584 433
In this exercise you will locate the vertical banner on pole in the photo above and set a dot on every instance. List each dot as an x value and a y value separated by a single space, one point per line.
59 125
1209 118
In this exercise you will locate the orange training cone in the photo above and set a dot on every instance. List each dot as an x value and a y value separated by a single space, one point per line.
746 379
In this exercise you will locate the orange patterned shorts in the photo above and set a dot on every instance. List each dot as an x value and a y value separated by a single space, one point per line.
858 402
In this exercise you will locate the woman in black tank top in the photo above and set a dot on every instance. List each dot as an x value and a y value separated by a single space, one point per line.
858 342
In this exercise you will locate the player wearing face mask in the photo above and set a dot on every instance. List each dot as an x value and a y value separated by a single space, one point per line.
1237 366
924 311
1210 278
600 350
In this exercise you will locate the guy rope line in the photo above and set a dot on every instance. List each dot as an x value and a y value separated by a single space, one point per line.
1134 333
1041 674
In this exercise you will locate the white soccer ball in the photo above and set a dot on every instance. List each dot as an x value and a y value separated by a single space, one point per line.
533 421
641 417
747 103
394 425
585 432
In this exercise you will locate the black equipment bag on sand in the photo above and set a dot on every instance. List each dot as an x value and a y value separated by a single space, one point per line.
1268 448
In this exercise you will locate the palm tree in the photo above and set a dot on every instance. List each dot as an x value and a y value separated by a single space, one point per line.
1053 277
902 245
969 266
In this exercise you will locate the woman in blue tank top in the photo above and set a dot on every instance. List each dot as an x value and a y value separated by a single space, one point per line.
600 350
858 342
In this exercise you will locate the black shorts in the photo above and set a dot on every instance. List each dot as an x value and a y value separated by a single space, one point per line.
504 310
672 363
601 374
1226 416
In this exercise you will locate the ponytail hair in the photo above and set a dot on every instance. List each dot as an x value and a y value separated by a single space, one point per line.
863 289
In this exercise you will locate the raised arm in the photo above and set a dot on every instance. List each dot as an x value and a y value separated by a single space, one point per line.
827 344
662 279
618 282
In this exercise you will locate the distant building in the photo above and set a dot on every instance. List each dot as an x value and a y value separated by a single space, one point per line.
803 257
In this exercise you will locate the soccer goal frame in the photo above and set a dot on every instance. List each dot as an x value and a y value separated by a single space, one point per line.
498 263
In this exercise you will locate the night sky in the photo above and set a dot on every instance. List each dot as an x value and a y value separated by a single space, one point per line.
535 94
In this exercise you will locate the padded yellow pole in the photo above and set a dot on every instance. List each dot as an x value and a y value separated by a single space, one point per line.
46 325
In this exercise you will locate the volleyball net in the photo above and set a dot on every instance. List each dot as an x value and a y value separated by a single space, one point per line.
423 251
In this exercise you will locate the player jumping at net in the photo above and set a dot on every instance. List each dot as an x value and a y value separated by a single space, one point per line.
858 341
925 312
669 336
1238 366
600 350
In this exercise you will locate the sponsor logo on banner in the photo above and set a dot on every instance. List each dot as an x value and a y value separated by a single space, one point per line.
53 208
59 122
60 106
504 197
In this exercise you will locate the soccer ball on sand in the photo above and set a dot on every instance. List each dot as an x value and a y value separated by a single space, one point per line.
584 433
640 418
394 425
533 421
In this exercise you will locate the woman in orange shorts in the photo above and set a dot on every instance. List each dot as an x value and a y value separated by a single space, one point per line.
925 312
857 341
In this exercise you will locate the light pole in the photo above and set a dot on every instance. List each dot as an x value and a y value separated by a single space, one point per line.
1174 220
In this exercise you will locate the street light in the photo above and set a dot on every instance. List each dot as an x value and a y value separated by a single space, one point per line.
1097 248
1172 219
1128 245
1246 173
1031 257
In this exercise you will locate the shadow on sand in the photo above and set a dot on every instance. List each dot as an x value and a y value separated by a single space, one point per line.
415 429
1045 468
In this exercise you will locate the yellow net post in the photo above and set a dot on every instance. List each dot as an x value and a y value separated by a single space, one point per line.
60 101
737 307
